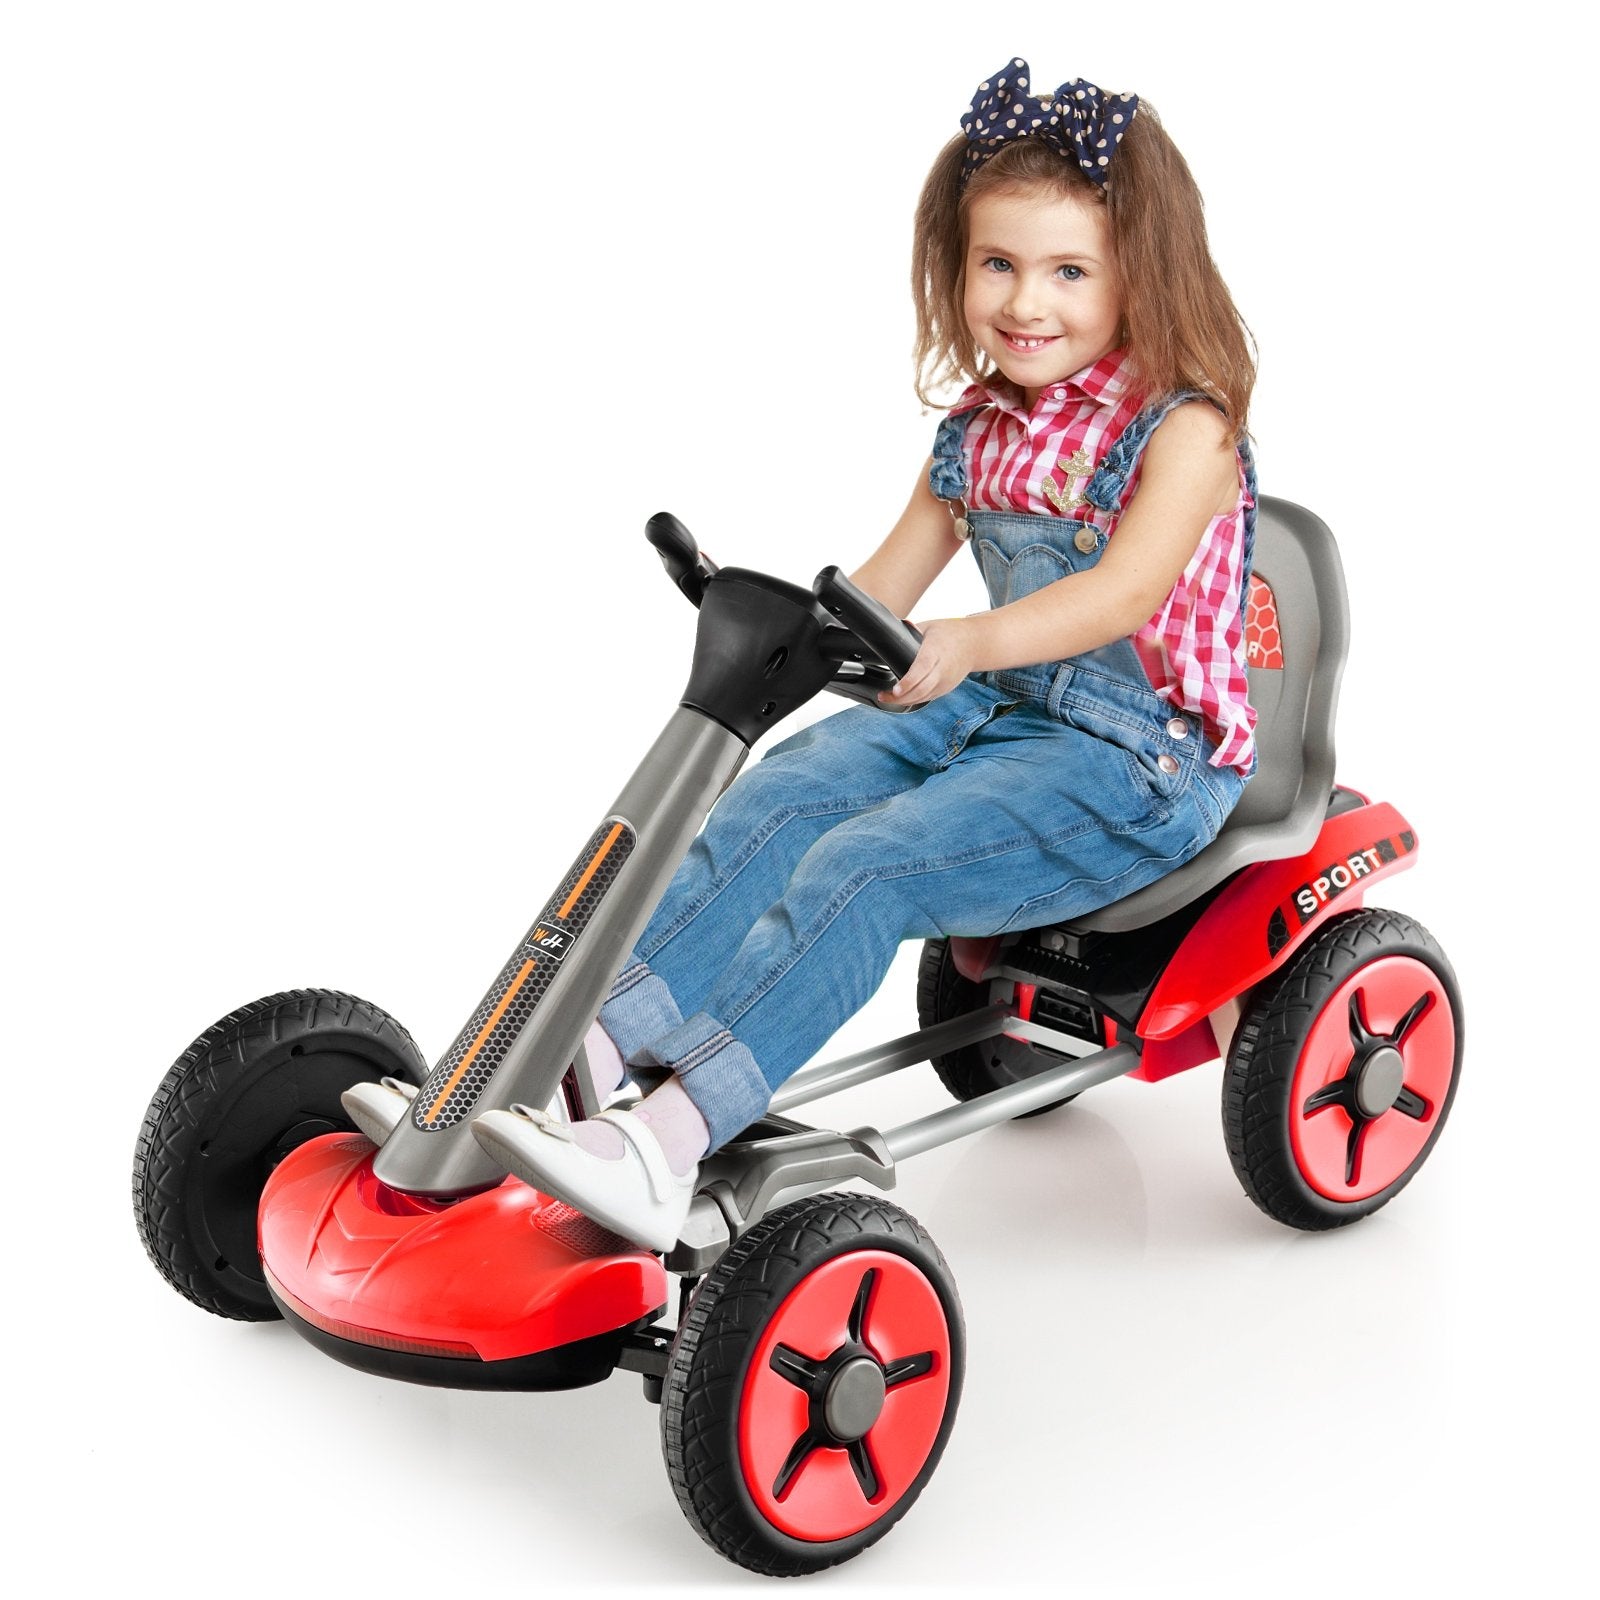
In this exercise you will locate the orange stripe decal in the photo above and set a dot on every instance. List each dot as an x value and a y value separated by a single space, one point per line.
477 1044
590 870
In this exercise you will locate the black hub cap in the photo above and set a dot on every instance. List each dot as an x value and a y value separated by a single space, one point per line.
1374 1082
854 1398
1380 1080
847 1390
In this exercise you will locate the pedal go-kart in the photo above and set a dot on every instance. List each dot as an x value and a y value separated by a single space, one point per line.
301 1160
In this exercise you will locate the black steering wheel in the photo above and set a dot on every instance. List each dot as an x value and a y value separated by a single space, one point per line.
870 646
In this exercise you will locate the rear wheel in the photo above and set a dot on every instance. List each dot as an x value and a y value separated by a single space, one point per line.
1343 1071
813 1384
942 994
264 1079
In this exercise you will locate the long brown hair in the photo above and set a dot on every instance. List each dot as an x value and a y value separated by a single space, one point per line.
1182 328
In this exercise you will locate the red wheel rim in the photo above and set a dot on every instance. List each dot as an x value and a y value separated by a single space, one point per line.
1348 1146
865 1313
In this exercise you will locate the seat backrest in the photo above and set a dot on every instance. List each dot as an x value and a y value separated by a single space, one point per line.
1298 565
1297 634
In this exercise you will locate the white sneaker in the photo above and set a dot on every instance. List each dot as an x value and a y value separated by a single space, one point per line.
637 1195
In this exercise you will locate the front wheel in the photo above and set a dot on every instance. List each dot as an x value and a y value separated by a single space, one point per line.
813 1384
1343 1071
264 1079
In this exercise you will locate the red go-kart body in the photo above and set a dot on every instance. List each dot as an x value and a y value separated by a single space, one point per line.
511 1289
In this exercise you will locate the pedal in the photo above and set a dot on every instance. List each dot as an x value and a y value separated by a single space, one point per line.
375 1108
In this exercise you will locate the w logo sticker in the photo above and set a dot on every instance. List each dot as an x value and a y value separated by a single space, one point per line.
550 941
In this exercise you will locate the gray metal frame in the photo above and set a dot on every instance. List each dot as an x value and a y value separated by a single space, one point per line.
746 1179
665 802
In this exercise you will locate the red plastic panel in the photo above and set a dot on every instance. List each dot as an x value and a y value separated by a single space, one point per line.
1165 1058
1268 911
1263 639
972 956
508 1273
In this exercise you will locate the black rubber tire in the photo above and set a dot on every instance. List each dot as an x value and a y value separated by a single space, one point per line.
942 994
1266 1050
711 1354
264 1079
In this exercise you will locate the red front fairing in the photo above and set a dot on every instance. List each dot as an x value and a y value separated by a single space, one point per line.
1267 912
499 1275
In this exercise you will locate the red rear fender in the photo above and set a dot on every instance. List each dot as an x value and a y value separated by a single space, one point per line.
1268 911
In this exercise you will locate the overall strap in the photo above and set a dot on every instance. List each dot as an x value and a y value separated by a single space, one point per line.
948 475
1105 489
1248 563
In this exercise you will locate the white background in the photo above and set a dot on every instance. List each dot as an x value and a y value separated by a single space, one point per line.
346 350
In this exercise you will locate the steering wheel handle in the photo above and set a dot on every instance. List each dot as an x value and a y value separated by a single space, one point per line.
687 565
893 642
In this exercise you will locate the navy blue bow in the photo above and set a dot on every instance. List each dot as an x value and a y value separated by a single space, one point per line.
1079 120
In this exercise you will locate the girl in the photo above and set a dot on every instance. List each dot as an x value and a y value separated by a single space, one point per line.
1087 734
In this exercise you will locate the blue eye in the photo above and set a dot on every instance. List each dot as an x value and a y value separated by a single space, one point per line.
1073 273
999 263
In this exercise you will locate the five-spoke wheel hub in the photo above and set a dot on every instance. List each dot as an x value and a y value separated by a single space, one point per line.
1372 1076
845 1395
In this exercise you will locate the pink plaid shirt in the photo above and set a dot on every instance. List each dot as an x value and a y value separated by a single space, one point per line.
1039 461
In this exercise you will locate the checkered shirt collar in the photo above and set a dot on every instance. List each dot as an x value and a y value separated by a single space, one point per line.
1104 382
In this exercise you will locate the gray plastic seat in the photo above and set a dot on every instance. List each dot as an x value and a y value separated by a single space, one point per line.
1285 803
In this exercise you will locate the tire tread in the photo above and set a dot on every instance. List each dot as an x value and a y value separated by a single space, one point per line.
739 1293
1266 1048
163 1149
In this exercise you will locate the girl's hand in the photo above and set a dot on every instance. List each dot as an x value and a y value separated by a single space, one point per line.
948 654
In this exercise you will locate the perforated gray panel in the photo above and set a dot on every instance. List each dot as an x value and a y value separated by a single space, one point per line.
453 1087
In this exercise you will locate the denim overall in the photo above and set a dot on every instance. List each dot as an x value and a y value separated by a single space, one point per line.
1023 797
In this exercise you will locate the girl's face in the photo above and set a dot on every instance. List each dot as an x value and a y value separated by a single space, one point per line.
1041 293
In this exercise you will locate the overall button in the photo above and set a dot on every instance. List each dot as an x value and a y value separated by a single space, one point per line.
1085 539
1168 764
1178 728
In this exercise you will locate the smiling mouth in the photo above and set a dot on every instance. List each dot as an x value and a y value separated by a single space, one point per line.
1024 343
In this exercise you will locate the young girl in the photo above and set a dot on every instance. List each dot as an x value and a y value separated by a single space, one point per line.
1087 734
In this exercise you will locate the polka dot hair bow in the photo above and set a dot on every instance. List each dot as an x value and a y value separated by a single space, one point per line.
1080 120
